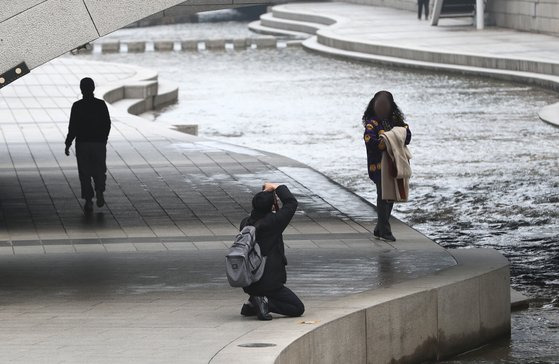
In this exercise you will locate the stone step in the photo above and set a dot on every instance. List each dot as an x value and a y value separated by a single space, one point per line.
269 20
134 106
168 93
518 301
550 114
140 97
257 27
281 12
264 41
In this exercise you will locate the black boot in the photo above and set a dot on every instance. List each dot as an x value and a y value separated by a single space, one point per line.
260 304
248 310
100 199
88 206
387 236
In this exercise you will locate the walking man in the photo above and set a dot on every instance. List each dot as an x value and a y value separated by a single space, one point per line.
90 124
422 5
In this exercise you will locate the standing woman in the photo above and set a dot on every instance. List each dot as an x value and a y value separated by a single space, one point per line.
381 115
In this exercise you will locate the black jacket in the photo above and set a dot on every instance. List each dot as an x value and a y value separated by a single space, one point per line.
89 121
269 229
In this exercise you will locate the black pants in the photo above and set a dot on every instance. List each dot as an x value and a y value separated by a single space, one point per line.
422 4
91 158
285 302
384 209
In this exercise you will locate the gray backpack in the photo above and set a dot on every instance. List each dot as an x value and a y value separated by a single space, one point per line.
244 263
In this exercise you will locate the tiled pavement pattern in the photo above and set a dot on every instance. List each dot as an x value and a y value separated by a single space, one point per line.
165 189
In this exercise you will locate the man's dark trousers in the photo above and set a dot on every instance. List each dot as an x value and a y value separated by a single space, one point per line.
91 158
422 4
284 302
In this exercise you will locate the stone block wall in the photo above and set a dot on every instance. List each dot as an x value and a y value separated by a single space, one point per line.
540 16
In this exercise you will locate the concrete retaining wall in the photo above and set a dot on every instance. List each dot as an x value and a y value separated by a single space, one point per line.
529 15
431 318
442 320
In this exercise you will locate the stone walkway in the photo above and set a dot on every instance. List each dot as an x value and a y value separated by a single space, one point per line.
400 28
142 279
162 185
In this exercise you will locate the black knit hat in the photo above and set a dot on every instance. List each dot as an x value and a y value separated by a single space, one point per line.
263 201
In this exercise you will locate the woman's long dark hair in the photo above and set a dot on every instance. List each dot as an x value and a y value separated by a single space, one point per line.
397 115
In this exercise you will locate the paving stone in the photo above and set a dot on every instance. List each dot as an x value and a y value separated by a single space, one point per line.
150 247
180 246
51 248
29 249
205 245
330 244
5 250
89 248
120 247
302 244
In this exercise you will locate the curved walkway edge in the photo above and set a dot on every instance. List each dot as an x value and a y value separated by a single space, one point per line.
430 318
393 37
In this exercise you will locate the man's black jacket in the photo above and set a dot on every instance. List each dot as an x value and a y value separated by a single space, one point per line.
269 229
89 121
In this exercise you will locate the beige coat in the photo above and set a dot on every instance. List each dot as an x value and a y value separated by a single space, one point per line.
395 166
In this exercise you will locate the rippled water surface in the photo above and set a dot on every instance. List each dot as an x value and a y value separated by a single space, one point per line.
486 169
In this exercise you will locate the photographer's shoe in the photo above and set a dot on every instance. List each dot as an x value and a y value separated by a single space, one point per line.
260 304
248 310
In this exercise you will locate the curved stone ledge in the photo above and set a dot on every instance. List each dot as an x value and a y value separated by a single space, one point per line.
430 318
271 21
550 114
140 93
282 12
257 27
